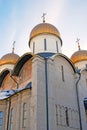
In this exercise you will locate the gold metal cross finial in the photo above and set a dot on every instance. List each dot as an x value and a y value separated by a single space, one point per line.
13 47
43 17
78 43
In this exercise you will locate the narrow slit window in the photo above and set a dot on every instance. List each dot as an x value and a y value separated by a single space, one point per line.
67 119
24 114
57 46
33 47
86 82
86 115
62 71
1 119
11 119
45 45
85 106
86 66
56 114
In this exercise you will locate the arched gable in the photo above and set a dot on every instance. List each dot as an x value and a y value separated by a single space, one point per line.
22 60
65 57
3 74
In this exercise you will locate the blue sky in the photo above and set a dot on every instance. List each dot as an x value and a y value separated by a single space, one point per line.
18 17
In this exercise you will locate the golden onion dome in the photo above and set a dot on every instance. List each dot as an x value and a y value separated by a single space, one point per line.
9 58
44 28
80 55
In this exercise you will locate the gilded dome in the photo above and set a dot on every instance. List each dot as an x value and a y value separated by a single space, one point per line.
80 55
44 28
9 58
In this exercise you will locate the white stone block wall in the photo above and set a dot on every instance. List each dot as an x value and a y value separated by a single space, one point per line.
81 64
50 43
60 92
38 94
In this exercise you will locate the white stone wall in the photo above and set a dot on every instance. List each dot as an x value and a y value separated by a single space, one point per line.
62 93
82 87
61 96
50 42
16 102
6 66
81 64
38 95
4 113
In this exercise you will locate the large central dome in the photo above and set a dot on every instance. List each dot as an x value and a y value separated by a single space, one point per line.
44 28
45 38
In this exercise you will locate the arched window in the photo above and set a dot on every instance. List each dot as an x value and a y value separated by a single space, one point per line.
11 119
57 46
1 118
86 82
85 105
24 114
67 117
33 47
62 72
45 44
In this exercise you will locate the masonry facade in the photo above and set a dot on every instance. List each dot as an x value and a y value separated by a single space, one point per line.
42 90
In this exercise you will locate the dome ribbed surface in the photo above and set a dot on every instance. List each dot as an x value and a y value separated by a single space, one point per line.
44 28
9 58
80 55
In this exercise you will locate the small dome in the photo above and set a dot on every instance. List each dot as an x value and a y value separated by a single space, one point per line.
44 28
80 55
9 58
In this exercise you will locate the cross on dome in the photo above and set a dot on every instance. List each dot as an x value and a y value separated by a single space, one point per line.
78 43
13 47
43 16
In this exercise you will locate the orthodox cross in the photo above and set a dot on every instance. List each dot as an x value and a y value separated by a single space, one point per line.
43 17
78 43
13 47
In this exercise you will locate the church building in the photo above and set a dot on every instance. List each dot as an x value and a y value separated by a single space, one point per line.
43 89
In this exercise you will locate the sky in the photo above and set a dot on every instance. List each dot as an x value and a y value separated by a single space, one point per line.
18 17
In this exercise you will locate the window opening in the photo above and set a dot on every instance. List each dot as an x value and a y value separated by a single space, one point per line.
11 119
24 114
45 46
33 47
62 71
1 118
57 46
